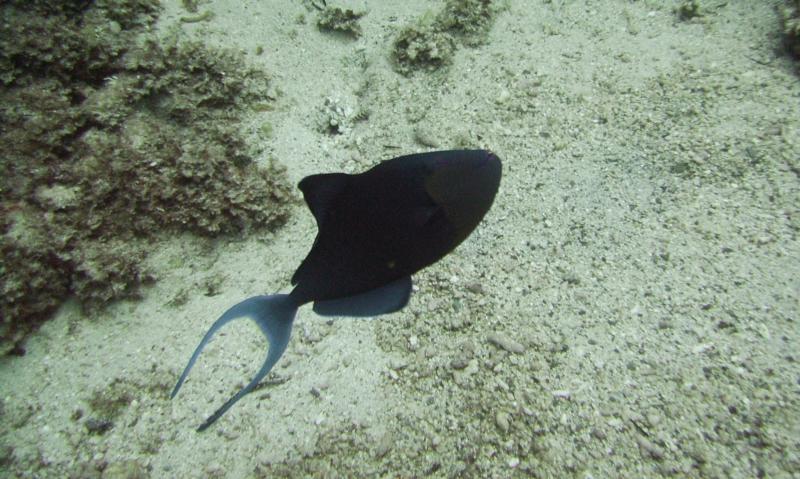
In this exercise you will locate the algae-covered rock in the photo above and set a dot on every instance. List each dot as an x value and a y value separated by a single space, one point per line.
343 20
688 9
429 42
72 40
468 20
422 47
110 135
791 26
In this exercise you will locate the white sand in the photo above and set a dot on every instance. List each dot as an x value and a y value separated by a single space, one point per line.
642 250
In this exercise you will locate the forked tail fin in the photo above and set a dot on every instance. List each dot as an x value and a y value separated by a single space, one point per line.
274 315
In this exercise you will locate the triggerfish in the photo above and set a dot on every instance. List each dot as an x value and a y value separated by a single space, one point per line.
374 230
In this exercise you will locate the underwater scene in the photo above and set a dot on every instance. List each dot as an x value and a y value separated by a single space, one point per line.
429 238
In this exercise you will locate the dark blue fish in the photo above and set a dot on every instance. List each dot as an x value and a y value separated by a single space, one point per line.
375 230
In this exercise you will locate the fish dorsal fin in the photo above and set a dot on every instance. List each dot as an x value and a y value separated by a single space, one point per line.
319 191
382 300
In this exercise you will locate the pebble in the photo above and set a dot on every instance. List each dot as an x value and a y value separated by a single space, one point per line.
459 363
98 426
503 96
397 364
385 444
650 448
6 453
475 287
703 348
653 419
125 470
462 377
762 240
425 138
502 421
310 335
504 342
561 394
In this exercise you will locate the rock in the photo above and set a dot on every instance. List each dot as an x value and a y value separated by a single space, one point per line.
650 449
98 426
385 444
125 470
502 420
462 376
504 342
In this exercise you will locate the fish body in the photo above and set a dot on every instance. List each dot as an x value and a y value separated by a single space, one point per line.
392 220
375 230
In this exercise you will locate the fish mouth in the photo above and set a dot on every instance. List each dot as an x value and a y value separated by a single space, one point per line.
488 159
490 162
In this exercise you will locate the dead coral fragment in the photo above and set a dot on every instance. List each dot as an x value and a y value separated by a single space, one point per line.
206 16
342 20
335 116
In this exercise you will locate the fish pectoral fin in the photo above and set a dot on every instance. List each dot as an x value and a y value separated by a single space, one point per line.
274 315
383 300
424 216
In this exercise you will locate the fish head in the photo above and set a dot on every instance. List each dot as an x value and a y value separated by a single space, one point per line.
464 184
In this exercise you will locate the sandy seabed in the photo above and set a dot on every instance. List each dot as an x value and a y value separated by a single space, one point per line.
629 307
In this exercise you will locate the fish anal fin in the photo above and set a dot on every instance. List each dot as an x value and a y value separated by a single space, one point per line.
383 300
